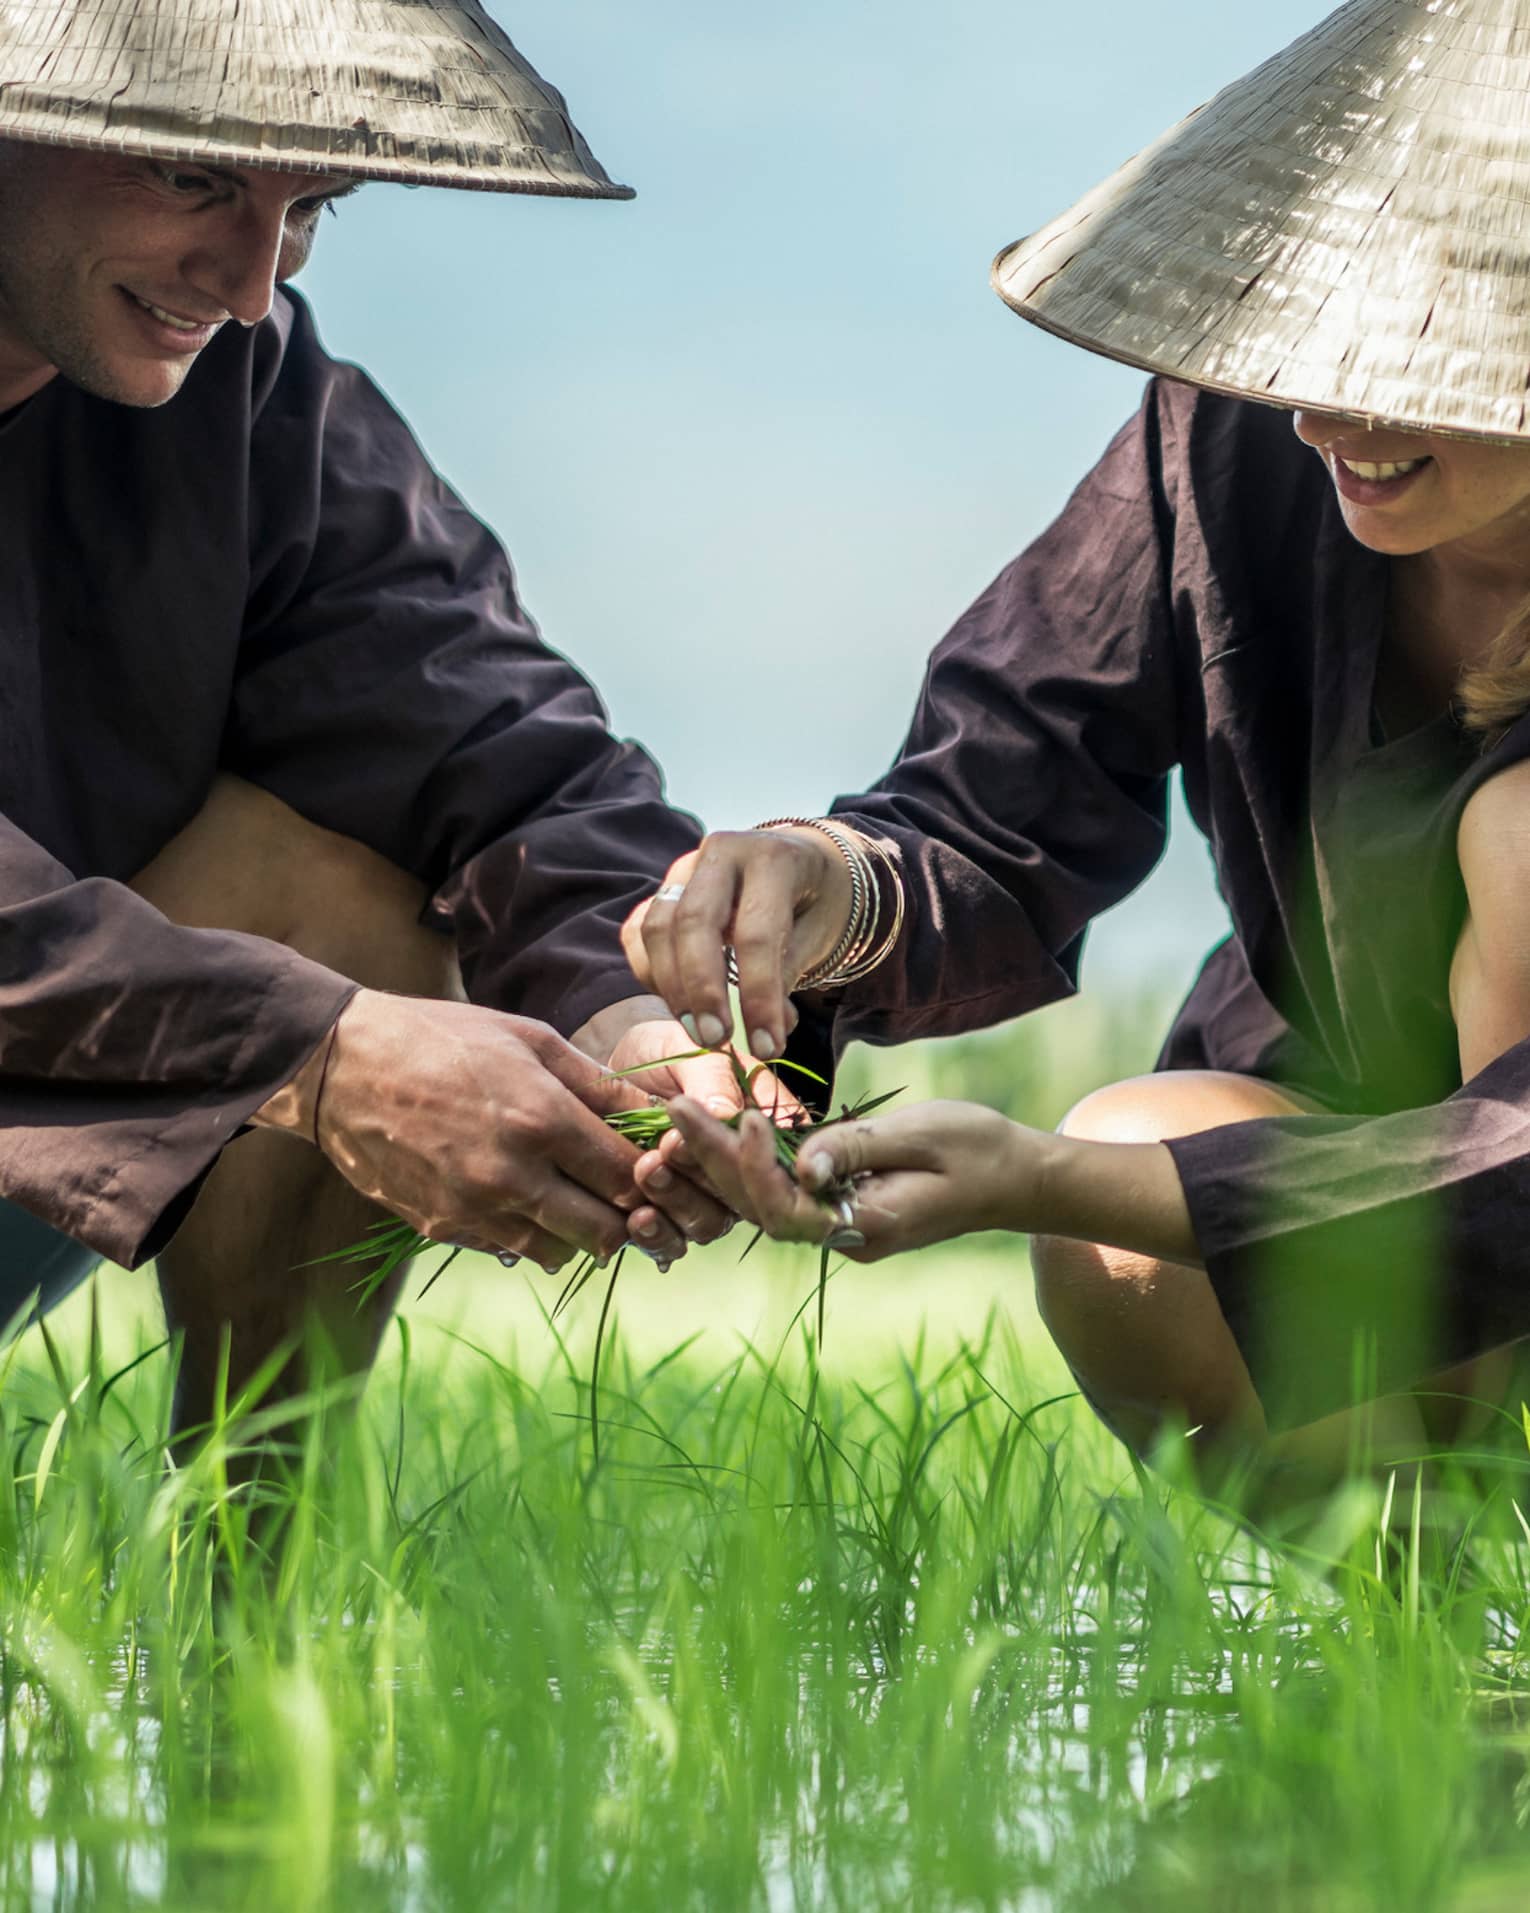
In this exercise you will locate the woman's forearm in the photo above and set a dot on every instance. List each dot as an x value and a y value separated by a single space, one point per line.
1127 1195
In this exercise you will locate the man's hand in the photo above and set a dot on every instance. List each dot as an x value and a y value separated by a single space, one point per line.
474 1127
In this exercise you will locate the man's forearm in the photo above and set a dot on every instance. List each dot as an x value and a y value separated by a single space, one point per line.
295 1106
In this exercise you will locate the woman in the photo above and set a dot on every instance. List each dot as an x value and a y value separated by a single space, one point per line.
1321 1195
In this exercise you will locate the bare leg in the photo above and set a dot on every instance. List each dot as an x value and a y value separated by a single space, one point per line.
1151 1350
236 1268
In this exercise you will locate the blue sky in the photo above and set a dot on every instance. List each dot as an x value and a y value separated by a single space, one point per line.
755 438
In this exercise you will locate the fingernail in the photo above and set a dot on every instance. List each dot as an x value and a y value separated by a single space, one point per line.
845 1239
710 1030
688 1024
720 1106
814 1171
648 1229
507 1258
550 1268
660 1262
660 1179
762 1045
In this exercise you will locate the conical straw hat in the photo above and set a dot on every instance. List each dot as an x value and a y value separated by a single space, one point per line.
1346 229
416 90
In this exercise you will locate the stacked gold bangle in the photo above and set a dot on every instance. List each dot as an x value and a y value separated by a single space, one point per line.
876 892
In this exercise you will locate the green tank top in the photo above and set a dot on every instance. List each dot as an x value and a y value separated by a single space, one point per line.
1386 909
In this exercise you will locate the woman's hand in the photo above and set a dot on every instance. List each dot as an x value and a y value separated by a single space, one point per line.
780 898
937 1170
912 1177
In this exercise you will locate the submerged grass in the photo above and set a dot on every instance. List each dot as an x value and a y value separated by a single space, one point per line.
915 1636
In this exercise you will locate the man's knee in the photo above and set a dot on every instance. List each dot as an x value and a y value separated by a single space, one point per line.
249 862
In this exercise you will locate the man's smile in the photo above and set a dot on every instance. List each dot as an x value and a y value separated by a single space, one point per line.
183 332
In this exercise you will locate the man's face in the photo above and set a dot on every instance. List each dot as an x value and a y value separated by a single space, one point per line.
117 271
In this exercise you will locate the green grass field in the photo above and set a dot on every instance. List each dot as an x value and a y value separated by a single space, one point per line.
897 1629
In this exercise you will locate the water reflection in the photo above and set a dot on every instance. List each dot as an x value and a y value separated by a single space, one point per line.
1121 1758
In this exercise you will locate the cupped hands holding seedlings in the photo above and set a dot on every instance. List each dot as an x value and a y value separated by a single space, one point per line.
645 1056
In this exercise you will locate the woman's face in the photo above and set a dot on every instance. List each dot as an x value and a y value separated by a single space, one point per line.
1407 492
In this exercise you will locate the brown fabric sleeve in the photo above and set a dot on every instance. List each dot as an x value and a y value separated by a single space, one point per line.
392 688
1031 792
131 1051
1351 1256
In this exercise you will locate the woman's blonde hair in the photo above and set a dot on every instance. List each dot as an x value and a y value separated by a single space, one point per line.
1495 692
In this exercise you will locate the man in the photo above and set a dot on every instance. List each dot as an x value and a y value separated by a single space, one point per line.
273 719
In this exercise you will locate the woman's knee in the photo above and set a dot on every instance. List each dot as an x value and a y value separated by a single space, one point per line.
1147 1344
1145 1338
1177 1102
1106 1308
249 862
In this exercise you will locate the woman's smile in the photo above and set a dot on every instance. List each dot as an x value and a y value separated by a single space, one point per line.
1403 493
1374 482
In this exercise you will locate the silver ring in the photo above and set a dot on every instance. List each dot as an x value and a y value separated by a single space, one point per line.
671 893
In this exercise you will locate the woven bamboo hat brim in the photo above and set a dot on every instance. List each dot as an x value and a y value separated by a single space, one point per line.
432 94
1347 229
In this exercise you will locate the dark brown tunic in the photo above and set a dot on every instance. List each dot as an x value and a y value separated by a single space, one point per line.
1201 604
266 577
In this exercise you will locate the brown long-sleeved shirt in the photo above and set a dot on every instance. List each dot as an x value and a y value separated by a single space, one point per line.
264 576
1201 604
